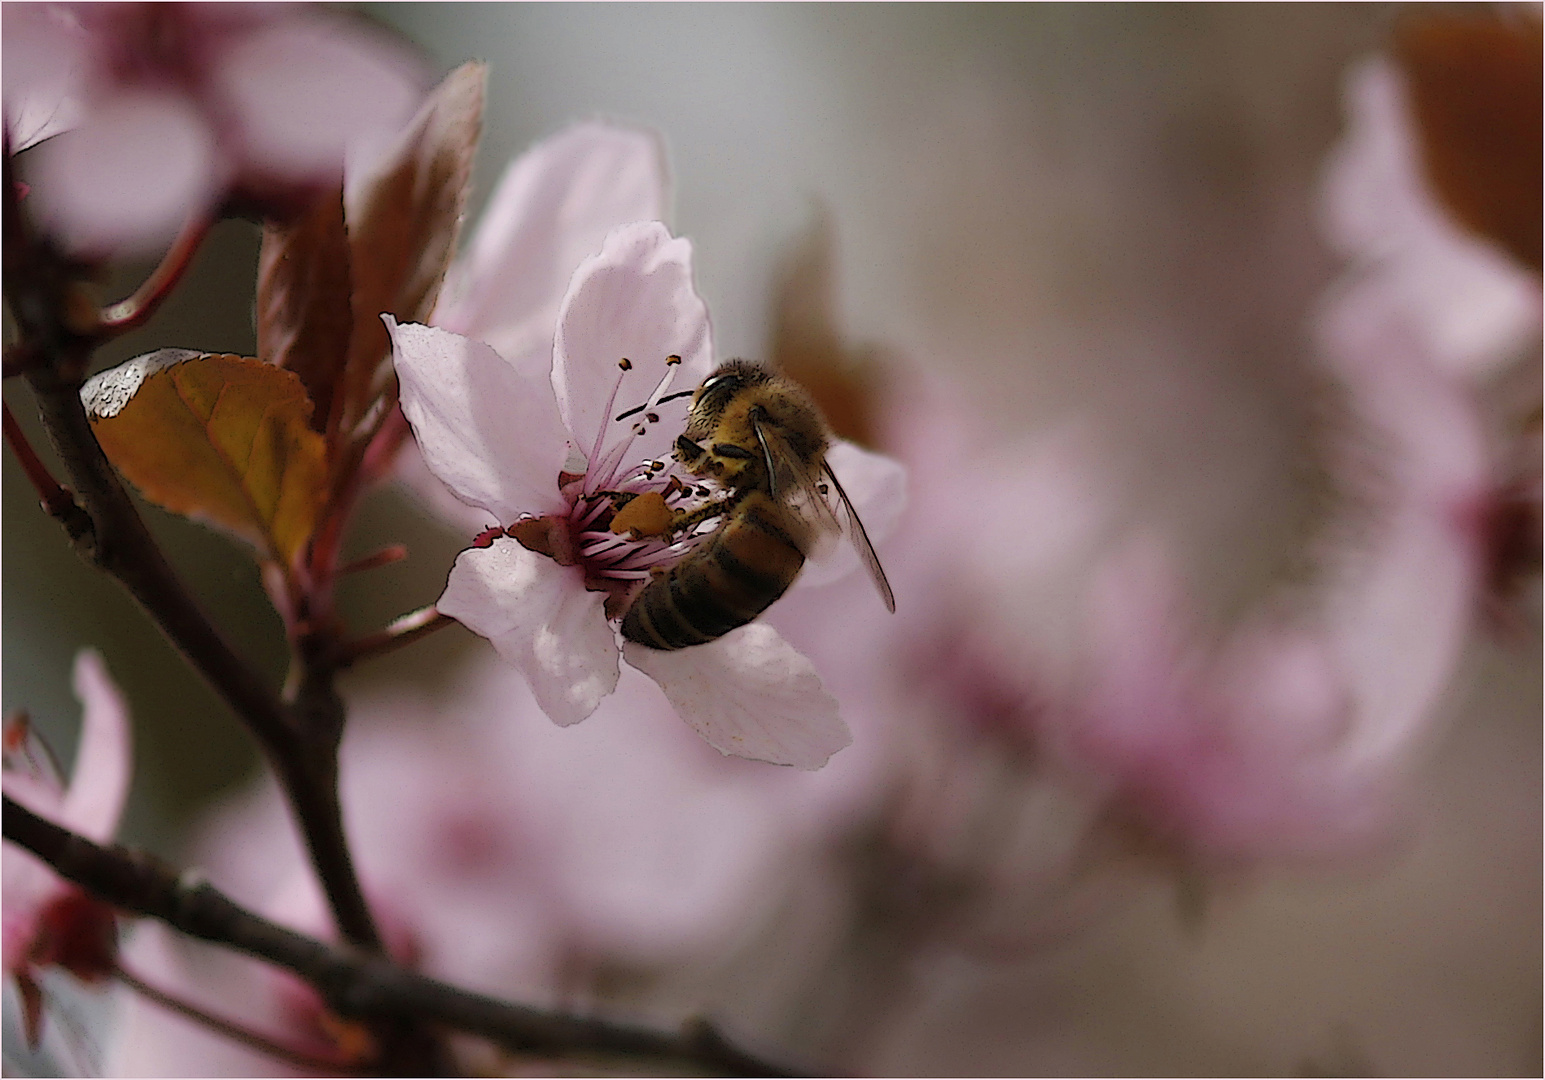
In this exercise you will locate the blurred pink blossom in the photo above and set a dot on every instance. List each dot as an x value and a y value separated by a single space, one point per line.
48 920
155 113
533 441
503 854
1470 306
970 833
1441 296
1293 732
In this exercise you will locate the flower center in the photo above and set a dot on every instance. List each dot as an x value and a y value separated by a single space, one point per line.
622 523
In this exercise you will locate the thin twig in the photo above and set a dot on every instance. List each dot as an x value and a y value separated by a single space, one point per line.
391 553
18 357
399 632
355 985
231 1030
136 309
57 500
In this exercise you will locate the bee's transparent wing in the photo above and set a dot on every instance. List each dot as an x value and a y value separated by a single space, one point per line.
792 482
860 541
797 485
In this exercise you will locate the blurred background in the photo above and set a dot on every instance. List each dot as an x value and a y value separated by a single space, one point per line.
1100 211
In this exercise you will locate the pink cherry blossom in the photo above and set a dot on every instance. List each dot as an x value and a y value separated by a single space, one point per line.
537 443
48 920
1469 304
552 208
153 113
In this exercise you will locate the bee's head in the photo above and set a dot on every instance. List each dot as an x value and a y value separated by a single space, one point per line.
720 388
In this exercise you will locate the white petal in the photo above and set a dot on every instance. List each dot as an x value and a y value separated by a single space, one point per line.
99 782
127 178
489 433
633 300
877 485
750 694
554 207
539 617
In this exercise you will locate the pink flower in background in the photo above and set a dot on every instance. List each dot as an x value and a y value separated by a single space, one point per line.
1471 307
1294 732
552 208
160 112
964 831
1290 737
516 858
536 441
1423 288
48 920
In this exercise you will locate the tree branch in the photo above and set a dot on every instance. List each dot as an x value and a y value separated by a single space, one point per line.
42 287
57 502
355 985
120 543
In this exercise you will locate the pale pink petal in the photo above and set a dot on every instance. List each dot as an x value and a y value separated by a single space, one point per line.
750 694
634 300
1401 628
1402 614
1141 665
26 887
1286 688
659 852
425 488
540 618
877 485
553 208
98 785
99 781
301 90
44 57
1471 305
491 434
127 178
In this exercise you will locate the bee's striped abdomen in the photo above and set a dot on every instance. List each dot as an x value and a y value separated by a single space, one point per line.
727 581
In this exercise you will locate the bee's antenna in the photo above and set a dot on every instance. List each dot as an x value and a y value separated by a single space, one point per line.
667 397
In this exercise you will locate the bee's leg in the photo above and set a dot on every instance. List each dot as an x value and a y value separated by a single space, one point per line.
686 520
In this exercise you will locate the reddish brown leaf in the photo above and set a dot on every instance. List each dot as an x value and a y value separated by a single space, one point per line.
1474 74
304 313
220 439
807 344
403 227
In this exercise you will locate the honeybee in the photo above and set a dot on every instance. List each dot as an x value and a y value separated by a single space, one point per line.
764 440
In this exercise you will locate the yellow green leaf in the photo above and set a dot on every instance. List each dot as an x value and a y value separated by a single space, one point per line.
221 439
